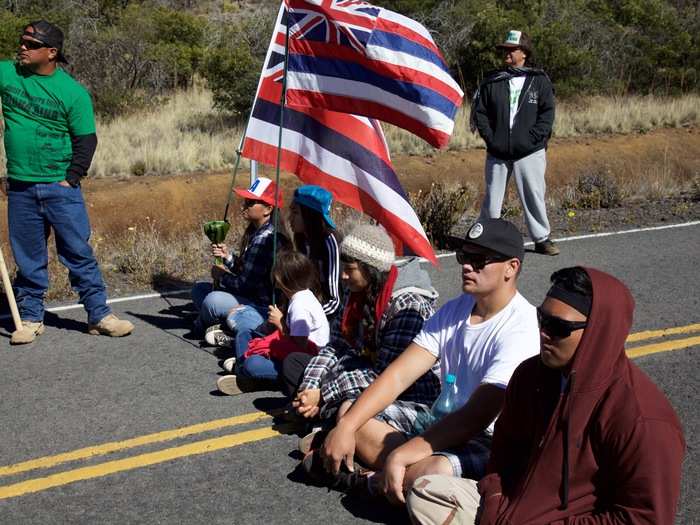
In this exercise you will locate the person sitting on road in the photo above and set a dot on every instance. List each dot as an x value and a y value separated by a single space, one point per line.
231 311
303 329
584 437
480 337
314 234
385 308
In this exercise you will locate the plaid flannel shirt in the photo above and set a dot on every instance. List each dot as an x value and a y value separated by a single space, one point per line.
341 373
250 271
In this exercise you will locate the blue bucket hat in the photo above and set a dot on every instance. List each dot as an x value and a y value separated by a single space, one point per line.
316 198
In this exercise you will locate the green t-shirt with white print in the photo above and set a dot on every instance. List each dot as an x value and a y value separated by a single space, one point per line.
42 113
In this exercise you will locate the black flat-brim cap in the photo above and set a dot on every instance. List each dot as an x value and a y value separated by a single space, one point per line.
497 235
48 34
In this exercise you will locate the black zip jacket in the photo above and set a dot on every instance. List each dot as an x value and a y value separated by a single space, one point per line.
533 122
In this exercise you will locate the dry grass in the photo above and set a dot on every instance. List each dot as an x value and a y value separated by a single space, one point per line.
185 134
589 116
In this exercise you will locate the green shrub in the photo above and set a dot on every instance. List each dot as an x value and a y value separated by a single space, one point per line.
232 74
234 58
439 209
593 191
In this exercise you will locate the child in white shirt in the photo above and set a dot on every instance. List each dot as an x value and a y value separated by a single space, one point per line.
304 328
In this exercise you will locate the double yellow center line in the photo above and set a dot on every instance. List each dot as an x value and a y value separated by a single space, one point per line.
227 441
665 346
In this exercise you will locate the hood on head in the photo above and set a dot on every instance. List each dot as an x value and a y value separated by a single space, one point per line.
412 278
603 341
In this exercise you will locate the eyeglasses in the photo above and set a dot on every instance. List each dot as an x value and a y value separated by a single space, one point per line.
556 326
478 260
31 44
248 203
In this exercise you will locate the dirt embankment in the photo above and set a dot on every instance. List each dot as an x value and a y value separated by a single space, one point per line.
654 160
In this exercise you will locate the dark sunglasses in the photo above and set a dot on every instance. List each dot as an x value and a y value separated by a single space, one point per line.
556 326
248 203
478 260
31 44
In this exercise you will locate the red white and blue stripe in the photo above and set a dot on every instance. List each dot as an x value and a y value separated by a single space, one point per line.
350 56
346 154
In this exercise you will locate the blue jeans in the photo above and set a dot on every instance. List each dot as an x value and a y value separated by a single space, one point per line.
215 307
34 209
258 367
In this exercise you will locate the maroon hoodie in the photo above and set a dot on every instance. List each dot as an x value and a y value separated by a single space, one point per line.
606 450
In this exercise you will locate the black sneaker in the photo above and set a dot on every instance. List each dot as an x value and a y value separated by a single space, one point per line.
546 247
344 481
217 336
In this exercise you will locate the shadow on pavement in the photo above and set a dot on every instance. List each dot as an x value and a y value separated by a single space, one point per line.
376 510
51 319
373 509
164 282
275 406
171 323
161 321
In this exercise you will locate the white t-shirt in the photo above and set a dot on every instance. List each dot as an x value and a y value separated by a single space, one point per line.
488 352
305 318
516 86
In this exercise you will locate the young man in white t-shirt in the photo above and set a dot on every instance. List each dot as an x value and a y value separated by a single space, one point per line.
481 337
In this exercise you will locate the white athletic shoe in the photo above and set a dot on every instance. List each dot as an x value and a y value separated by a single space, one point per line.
229 364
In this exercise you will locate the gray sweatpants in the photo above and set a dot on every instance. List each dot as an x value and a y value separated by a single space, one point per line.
529 180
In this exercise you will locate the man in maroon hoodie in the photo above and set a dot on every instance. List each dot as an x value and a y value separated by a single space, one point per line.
584 437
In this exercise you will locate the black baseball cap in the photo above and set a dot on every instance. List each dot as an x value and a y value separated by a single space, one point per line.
498 235
49 35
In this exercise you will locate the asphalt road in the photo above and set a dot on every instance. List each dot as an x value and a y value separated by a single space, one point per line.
92 396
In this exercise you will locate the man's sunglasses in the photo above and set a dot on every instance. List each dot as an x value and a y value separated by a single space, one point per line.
478 260
249 203
31 44
556 326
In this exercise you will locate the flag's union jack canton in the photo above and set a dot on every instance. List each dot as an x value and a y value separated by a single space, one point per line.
351 56
344 153
312 25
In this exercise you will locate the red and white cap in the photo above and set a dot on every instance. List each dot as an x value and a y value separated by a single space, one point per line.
262 189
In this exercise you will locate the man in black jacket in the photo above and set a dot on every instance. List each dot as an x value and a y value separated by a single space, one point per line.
514 112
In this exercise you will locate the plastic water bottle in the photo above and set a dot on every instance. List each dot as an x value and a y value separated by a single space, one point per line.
447 401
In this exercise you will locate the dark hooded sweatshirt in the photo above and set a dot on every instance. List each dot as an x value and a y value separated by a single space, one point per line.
606 449
533 122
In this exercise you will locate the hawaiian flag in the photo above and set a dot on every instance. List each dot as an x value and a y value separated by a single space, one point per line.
353 57
344 153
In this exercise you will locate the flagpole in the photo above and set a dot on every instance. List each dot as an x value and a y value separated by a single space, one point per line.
283 99
235 169
239 151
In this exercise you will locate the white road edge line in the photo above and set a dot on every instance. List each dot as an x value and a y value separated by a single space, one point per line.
603 234
441 256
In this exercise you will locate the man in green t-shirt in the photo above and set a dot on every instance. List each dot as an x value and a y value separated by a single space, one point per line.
49 144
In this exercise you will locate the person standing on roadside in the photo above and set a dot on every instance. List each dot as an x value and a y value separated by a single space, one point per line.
49 144
513 110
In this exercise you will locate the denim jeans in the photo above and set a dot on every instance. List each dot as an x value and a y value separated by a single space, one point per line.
215 307
33 210
258 367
